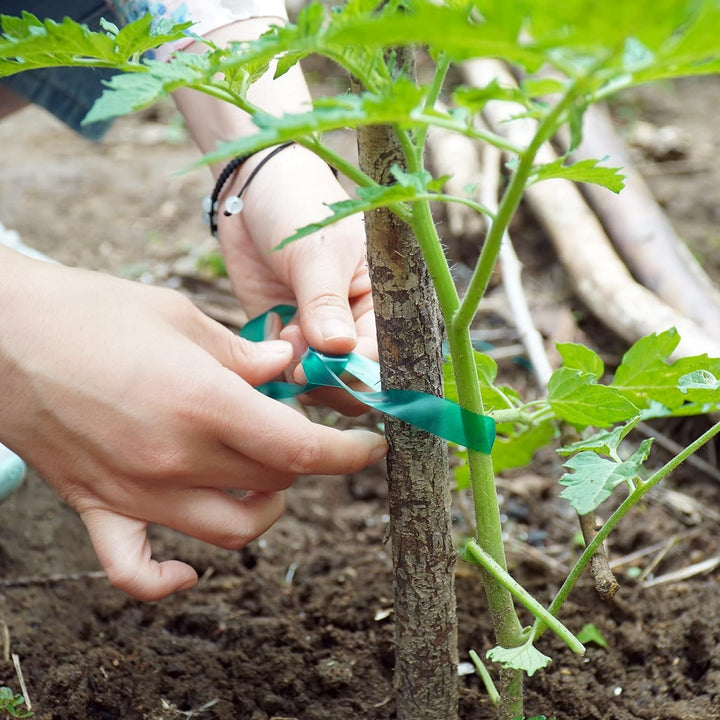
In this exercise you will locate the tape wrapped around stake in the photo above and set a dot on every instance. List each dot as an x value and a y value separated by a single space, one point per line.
433 414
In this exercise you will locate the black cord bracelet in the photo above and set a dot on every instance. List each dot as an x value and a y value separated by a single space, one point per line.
233 204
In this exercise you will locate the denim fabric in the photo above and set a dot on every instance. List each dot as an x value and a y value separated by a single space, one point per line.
68 93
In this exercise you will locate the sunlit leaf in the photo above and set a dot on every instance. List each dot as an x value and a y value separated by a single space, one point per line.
578 399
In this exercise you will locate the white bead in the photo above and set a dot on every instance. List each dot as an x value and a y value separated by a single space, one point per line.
207 204
233 205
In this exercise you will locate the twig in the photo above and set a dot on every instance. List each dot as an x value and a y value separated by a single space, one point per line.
605 582
685 573
21 680
534 553
6 641
54 578
664 550
512 273
648 550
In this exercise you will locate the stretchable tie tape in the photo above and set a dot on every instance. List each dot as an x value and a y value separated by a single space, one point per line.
433 414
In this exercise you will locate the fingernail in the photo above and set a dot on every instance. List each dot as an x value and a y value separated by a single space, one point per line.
272 326
334 329
379 452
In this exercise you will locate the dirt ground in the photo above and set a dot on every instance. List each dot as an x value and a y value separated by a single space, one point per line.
299 624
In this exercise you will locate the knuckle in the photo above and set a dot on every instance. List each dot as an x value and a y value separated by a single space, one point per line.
306 457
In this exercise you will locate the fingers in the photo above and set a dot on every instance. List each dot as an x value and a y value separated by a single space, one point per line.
287 441
123 549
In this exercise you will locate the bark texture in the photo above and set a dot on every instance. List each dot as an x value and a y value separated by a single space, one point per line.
410 344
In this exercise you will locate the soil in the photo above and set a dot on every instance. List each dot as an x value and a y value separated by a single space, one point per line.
299 624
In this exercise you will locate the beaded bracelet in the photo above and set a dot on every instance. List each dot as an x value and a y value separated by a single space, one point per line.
234 203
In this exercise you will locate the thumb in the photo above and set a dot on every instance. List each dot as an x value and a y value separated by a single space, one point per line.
326 319
255 362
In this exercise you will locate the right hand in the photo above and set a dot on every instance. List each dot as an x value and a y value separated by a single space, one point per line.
137 408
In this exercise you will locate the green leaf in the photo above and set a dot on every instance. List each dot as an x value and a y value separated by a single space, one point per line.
591 634
605 442
580 357
591 483
576 398
129 92
645 374
593 478
586 171
28 43
370 198
517 447
524 657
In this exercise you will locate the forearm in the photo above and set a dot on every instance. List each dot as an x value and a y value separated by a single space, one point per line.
212 121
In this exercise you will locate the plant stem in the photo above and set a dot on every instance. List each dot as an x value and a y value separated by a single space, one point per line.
480 557
508 205
632 499
506 624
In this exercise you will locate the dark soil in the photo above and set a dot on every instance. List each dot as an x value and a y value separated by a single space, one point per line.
299 624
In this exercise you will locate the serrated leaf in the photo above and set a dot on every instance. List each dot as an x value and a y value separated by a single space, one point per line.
645 374
586 171
370 198
576 398
593 478
525 657
580 357
605 442
590 483
28 43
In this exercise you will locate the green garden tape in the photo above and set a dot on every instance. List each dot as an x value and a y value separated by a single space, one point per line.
12 472
436 415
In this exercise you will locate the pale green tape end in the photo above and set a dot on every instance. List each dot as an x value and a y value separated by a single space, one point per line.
12 473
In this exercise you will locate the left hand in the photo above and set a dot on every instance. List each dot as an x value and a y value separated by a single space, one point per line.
325 274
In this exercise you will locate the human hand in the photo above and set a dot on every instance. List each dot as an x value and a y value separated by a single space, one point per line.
137 408
324 274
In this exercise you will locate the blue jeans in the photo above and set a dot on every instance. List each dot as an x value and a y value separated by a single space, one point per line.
68 93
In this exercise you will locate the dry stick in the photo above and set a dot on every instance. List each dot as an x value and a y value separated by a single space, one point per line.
54 578
685 573
21 680
649 549
5 641
605 582
658 558
601 279
642 232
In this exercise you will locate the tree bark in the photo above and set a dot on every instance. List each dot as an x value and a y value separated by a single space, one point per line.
410 347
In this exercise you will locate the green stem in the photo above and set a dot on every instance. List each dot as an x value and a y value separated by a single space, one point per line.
480 557
633 499
487 680
510 201
441 69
